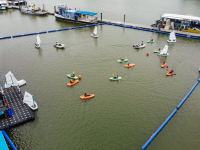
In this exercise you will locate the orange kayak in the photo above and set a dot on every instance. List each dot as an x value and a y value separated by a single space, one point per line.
163 65
87 97
70 84
128 66
169 73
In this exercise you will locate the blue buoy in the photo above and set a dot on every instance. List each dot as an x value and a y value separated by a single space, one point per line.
52 31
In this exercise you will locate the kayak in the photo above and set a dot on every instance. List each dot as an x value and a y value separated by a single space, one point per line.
115 79
156 51
124 60
169 74
70 76
163 65
128 66
150 41
74 82
87 97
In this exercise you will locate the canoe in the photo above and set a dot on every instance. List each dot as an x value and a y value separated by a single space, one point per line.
115 79
70 76
128 66
87 97
70 84
169 74
156 51
150 41
124 60
163 65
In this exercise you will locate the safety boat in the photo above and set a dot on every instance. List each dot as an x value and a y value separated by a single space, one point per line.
163 65
29 100
164 52
38 41
123 60
30 9
59 45
139 46
67 14
115 78
74 82
87 97
129 65
12 81
71 76
95 32
172 38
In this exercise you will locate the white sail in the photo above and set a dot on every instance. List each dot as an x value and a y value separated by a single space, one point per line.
10 80
38 41
172 36
165 50
95 31
28 99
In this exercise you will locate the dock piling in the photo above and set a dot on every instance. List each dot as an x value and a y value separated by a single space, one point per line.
101 17
124 17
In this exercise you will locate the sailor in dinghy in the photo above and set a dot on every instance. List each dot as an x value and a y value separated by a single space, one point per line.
38 41
95 32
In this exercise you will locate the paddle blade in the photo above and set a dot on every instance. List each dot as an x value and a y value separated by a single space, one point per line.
73 72
126 57
160 61
113 74
156 49
167 69
150 36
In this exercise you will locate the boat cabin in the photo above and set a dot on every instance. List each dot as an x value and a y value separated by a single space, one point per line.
178 22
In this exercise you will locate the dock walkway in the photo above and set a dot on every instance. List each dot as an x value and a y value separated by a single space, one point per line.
188 34
21 112
3 144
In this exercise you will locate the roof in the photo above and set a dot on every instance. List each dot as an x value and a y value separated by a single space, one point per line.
85 13
181 17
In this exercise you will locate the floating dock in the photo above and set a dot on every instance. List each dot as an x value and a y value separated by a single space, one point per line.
170 116
21 112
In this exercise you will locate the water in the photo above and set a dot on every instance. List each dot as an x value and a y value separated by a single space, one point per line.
123 114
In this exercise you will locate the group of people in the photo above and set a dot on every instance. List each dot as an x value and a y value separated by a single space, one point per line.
138 45
57 44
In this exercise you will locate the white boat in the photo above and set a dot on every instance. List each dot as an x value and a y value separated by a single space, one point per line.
29 100
172 37
199 68
140 46
12 81
3 4
59 45
30 9
164 52
95 32
38 41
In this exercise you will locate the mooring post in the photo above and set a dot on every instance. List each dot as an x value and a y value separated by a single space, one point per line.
124 17
43 6
101 17
19 5
75 8
54 9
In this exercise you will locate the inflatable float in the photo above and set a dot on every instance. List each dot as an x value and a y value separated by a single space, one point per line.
74 82
140 46
128 66
86 97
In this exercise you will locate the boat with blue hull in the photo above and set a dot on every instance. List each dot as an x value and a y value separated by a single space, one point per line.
66 14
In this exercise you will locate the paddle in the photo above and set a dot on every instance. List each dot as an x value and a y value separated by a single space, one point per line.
155 49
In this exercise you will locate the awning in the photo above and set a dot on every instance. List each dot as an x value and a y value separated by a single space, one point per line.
85 13
181 17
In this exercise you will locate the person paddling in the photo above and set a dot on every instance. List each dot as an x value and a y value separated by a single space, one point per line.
121 58
71 81
171 71
142 43
116 76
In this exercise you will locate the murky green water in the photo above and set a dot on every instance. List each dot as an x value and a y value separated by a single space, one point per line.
123 114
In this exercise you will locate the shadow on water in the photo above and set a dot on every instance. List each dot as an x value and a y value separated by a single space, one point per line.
40 52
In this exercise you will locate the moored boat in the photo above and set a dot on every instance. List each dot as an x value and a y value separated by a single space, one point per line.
29 100
30 9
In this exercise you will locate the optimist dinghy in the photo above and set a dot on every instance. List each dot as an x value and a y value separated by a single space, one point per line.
164 52
95 32
12 81
172 38
38 41
29 100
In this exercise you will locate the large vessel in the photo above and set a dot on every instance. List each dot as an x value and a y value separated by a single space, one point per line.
187 23
66 14
3 4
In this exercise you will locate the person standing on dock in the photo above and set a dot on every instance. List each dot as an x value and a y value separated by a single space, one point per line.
19 92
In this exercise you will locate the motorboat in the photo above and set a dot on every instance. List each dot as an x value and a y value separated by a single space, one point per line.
30 9
139 46
164 52
95 32
59 45
4 4
12 81
29 100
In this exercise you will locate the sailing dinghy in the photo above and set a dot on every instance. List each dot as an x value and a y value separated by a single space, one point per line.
164 52
12 81
38 41
172 37
29 100
95 32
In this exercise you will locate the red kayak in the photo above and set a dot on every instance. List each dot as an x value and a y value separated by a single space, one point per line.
170 73
163 65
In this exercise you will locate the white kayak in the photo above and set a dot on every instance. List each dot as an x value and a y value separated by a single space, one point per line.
59 45
140 46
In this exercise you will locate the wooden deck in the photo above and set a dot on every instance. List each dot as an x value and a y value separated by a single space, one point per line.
151 28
